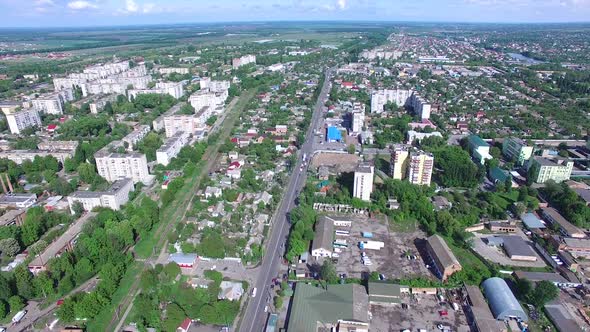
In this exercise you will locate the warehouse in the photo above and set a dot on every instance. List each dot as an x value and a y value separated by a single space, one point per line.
517 249
561 318
386 294
443 258
553 277
479 312
502 302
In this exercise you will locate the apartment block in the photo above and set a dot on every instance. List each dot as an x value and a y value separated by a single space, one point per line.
363 182
53 103
58 145
479 149
19 119
399 161
402 98
544 169
172 70
113 198
174 89
516 149
114 166
99 104
420 168
358 121
171 147
243 60
89 74
135 136
19 156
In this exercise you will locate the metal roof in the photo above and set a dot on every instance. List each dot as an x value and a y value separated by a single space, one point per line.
502 302
516 246
442 251
477 141
324 234
313 306
531 221
334 134
561 318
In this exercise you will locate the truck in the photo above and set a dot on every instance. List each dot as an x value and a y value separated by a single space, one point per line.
340 241
367 235
19 315
304 156
371 245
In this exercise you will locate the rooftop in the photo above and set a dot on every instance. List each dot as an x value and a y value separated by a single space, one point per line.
442 251
516 246
540 276
532 221
324 234
477 141
561 318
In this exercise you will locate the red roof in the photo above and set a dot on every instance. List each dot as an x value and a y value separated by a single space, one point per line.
186 323
52 127
347 83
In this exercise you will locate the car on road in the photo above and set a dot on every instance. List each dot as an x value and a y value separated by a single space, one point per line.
253 294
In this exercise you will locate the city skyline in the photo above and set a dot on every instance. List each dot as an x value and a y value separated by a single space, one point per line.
78 13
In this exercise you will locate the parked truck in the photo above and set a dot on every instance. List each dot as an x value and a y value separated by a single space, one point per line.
19 315
367 235
371 245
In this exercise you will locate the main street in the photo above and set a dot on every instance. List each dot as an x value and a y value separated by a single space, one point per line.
254 317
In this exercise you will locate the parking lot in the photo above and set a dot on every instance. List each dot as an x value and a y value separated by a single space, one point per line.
391 261
423 312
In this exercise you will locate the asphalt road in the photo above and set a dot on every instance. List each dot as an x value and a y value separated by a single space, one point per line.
254 317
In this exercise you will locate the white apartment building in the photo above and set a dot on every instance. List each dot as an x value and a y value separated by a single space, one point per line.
557 169
363 182
380 54
517 149
420 168
243 60
358 121
174 89
171 147
99 104
89 74
53 103
113 198
172 70
19 156
401 98
181 123
417 136
115 166
19 119
58 145
135 136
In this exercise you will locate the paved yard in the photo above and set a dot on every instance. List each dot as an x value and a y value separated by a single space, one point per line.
497 254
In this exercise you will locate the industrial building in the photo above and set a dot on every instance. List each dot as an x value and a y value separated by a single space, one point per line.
556 278
17 200
502 301
561 318
565 227
335 308
322 245
443 258
386 294
517 249
479 312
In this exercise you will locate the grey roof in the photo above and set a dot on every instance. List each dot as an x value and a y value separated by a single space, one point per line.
584 194
495 240
568 227
180 258
113 189
314 305
385 290
482 316
516 246
442 251
561 318
10 215
531 221
502 302
16 198
324 234
541 276
574 243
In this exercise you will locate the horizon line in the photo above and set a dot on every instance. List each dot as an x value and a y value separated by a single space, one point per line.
301 21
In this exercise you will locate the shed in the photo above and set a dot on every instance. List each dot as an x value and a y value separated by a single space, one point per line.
561 318
502 302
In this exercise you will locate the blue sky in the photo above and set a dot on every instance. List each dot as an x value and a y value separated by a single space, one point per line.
39 13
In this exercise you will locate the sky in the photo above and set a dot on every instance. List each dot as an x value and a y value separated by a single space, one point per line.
72 13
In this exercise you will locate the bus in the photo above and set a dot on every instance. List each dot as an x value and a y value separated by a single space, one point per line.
343 233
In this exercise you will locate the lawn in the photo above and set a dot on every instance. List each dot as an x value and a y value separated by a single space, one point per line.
102 320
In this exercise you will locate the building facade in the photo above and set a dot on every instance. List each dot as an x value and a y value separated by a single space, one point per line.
115 166
420 168
171 147
516 149
544 169
113 198
19 120
363 182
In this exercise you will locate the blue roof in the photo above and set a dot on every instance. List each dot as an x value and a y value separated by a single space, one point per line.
498 174
334 134
531 221
502 301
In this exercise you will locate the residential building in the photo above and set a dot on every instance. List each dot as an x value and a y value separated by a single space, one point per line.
175 89
567 228
420 168
243 60
363 182
399 161
334 308
544 169
114 166
98 104
13 217
17 201
502 301
19 156
358 121
517 149
58 145
322 245
19 119
479 149
135 136
414 136
116 196
189 124
172 70
401 98
53 103
171 147
186 261
442 257
213 192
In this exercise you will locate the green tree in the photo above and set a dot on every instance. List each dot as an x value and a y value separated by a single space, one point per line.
16 303
86 172
328 272
278 302
9 247
544 292
4 309
351 149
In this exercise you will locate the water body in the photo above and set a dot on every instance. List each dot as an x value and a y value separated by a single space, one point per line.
521 58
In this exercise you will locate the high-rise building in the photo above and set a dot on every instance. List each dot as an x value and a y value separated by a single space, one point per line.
363 182
401 98
420 168
113 198
243 60
19 119
516 149
171 147
358 121
115 166
399 161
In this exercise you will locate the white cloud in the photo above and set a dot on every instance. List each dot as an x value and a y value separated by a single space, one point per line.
81 4
44 3
342 4
131 6
148 8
